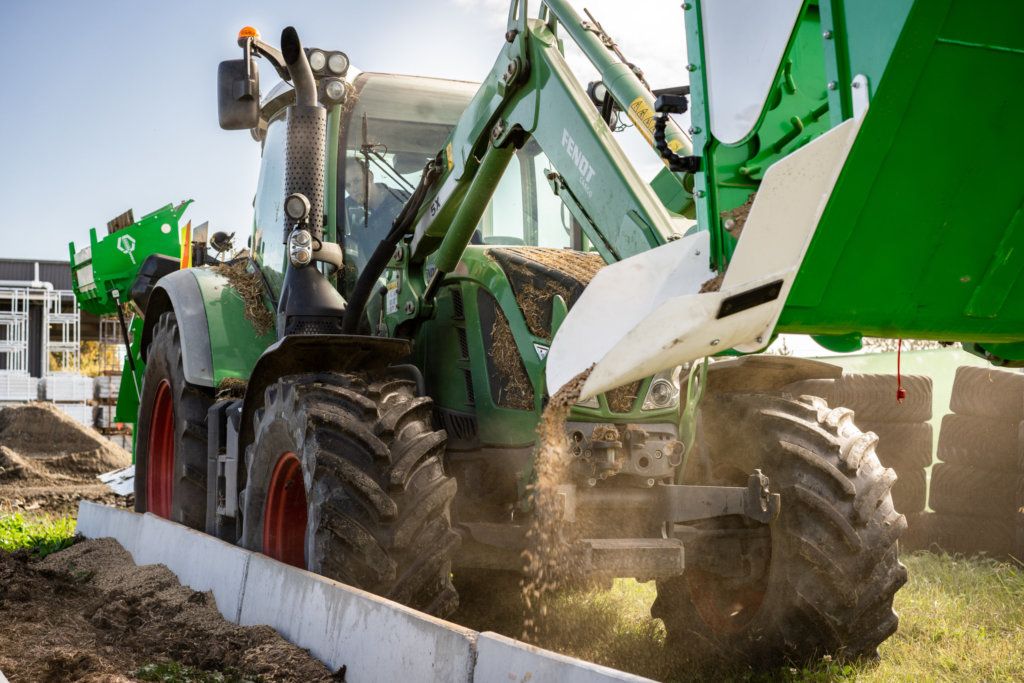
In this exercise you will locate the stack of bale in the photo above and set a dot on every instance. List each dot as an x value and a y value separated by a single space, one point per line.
975 491
904 435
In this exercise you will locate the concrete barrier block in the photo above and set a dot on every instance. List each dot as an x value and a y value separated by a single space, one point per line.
503 659
201 562
375 639
102 521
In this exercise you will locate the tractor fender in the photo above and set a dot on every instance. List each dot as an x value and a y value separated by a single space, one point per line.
765 373
216 339
298 354
179 292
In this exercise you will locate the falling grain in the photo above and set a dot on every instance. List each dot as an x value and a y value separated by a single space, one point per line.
551 558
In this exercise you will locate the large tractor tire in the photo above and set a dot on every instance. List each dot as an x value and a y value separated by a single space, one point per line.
988 392
903 446
966 490
973 534
818 580
873 396
910 492
345 479
170 454
974 441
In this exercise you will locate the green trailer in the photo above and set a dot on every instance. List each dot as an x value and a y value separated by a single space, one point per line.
103 274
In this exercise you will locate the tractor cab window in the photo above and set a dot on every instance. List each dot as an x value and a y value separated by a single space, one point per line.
396 125
374 196
268 210
524 209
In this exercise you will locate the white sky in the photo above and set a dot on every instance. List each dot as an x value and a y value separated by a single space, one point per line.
113 105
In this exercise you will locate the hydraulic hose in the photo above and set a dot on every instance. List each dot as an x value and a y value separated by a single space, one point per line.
382 254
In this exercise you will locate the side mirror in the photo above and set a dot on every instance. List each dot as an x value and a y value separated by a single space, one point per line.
238 94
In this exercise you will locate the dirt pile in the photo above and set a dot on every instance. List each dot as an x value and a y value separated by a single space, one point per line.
48 461
89 613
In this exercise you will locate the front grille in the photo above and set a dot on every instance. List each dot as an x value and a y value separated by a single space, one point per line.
308 325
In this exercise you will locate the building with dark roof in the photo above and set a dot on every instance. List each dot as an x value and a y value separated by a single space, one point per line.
26 288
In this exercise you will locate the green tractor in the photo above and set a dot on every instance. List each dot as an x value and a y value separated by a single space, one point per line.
441 259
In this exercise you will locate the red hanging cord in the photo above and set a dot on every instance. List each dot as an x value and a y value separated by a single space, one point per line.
901 393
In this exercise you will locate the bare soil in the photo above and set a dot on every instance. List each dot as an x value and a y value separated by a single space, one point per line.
88 613
49 462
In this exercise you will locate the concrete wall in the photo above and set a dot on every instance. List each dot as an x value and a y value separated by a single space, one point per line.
375 639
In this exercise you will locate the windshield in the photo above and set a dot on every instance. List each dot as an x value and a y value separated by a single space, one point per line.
397 124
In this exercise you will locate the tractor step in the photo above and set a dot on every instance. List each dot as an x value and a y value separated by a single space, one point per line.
646 558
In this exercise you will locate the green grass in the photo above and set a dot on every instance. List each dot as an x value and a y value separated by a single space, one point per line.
40 536
179 673
959 620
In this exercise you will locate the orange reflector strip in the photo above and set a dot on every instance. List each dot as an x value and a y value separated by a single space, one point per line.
186 246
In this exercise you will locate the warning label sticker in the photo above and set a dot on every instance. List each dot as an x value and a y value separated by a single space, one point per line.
642 115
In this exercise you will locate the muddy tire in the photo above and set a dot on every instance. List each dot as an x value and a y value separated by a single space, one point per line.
170 454
821 578
873 396
345 478
903 446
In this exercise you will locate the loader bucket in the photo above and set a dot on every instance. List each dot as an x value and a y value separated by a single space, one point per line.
913 226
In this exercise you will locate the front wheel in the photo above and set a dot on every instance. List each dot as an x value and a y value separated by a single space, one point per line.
345 479
818 580
170 455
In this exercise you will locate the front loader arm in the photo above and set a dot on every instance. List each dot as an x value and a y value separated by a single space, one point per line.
650 309
531 92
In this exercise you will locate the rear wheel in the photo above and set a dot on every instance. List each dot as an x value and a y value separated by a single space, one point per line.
820 579
345 478
170 457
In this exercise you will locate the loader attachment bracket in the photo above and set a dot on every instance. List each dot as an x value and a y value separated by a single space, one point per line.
682 503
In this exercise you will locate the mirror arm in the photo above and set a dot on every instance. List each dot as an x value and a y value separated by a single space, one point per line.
270 53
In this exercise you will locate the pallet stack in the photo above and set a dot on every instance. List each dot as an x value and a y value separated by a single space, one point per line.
108 384
71 393
106 388
977 486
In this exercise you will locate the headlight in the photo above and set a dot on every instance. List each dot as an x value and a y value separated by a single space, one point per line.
334 91
296 207
317 60
300 248
337 63
663 391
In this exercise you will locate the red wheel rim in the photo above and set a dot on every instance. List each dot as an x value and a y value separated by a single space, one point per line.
284 524
726 610
160 467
